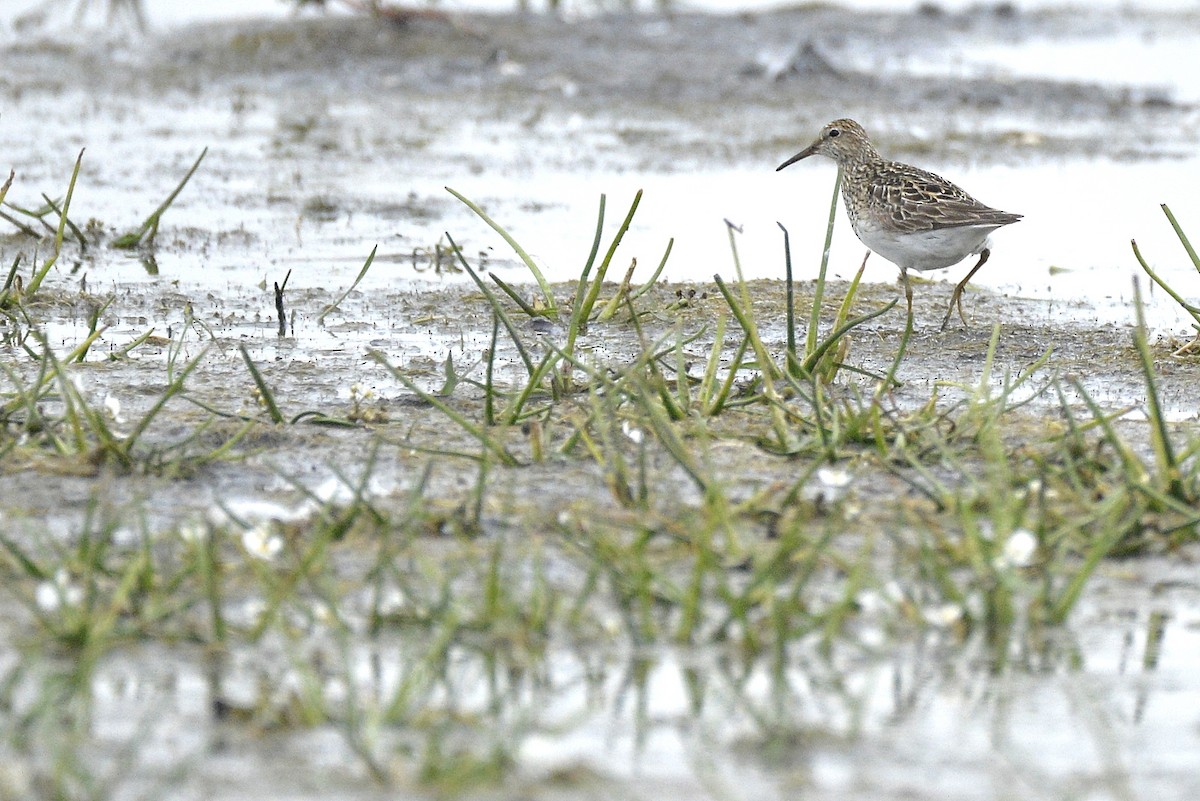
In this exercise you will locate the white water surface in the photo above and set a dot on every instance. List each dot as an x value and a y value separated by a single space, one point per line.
165 13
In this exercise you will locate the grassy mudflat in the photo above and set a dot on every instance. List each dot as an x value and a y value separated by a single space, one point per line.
439 541
433 602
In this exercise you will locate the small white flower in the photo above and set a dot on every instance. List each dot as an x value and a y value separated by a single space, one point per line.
112 405
834 478
611 625
124 535
334 492
49 598
512 69
336 690
216 516
261 541
323 613
635 435
58 593
193 530
871 601
1019 549
830 485
392 601
943 615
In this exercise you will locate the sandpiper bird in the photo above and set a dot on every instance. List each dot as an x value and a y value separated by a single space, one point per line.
913 218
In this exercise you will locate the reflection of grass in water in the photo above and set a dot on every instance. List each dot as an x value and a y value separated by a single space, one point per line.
694 491
113 10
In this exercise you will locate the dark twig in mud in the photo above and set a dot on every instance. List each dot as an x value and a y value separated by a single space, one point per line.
279 304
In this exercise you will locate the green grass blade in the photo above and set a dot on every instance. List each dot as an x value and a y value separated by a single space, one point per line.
584 311
1182 237
791 293
264 391
146 233
1160 437
457 417
361 275
36 281
1175 296
496 307
542 283
814 320
646 287
515 297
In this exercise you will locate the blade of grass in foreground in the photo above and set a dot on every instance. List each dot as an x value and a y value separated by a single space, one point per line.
361 275
264 392
495 304
478 432
791 295
810 341
1160 437
542 283
583 310
149 229
38 277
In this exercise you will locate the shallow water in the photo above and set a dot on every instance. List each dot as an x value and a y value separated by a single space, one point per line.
1097 713
1067 251
309 180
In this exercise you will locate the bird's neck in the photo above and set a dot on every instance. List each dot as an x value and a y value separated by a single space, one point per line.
863 165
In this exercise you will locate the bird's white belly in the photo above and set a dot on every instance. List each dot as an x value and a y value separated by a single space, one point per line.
926 250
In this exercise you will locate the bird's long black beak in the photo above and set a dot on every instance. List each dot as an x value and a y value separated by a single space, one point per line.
803 154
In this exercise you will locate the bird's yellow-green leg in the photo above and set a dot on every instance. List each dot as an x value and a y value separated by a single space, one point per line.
956 297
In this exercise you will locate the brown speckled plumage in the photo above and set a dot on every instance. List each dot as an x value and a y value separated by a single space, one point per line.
911 217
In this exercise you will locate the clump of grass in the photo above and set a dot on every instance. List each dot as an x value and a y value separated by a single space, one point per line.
589 285
13 289
50 413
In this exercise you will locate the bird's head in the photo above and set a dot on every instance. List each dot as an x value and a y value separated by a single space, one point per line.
841 140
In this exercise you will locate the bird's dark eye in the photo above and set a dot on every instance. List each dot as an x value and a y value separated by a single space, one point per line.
834 132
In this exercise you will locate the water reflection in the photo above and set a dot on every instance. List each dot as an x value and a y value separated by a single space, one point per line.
925 716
